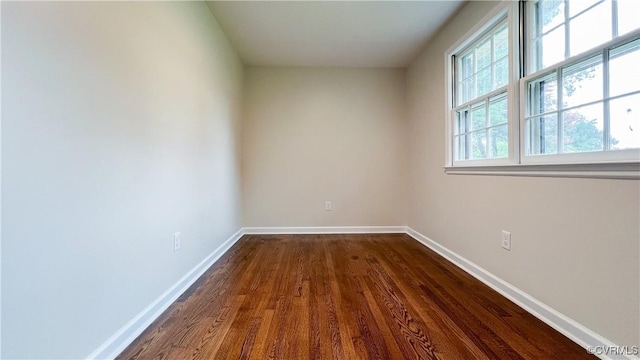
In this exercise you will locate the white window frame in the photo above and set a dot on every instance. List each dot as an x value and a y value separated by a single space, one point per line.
589 165
603 156
508 10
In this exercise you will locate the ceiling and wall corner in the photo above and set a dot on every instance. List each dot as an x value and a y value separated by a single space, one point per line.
331 33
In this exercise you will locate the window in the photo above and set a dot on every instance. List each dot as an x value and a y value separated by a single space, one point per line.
547 82
481 90
583 98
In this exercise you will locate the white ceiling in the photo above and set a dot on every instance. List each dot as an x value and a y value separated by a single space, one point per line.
331 33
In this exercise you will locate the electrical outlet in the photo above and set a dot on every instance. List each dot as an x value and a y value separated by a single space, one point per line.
506 240
328 206
177 239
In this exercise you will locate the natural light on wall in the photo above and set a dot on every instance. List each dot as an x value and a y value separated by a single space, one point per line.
547 82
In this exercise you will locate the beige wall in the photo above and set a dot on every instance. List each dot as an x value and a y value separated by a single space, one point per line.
575 242
119 128
312 134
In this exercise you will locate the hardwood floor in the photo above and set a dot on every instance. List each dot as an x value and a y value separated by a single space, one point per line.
382 296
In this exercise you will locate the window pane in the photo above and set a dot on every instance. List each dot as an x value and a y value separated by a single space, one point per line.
498 110
461 141
576 6
467 91
628 11
479 70
501 43
623 73
499 142
478 117
582 82
591 28
582 129
625 122
479 145
501 73
484 81
466 64
543 135
543 95
483 54
552 50
550 14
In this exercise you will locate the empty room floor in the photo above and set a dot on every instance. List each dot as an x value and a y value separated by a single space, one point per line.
356 296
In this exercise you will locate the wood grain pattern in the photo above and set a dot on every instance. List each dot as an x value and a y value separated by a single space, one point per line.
381 296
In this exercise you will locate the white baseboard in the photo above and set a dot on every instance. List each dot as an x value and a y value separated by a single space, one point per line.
326 230
564 325
129 332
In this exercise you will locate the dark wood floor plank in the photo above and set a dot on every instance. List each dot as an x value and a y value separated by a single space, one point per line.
381 318
444 332
357 312
469 308
410 284
472 301
337 311
424 332
364 296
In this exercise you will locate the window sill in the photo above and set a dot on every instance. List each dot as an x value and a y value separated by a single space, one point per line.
627 171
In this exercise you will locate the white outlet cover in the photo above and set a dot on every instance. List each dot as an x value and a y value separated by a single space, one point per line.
177 240
506 240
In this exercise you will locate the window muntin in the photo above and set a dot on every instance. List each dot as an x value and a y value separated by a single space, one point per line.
480 102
